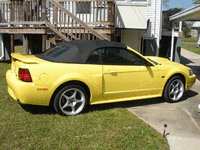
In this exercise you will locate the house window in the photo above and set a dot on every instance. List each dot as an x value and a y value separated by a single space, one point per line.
83 7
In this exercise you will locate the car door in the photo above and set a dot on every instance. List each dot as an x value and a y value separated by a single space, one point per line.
94 68
127 74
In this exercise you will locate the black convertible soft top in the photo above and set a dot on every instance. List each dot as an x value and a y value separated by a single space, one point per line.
76 51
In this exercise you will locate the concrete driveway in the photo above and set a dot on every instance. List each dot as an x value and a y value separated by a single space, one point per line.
182 118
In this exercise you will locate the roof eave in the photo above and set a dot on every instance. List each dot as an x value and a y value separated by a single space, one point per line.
190 14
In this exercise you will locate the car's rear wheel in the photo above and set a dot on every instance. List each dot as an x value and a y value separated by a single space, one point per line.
71 100
174 89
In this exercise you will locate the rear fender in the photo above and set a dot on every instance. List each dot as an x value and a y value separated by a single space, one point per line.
69 77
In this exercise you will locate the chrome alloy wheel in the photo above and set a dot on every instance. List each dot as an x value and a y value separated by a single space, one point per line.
72 101
176 89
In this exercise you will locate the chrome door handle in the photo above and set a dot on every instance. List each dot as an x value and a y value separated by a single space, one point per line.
112 71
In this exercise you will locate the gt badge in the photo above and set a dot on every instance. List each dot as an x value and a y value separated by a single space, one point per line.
42 89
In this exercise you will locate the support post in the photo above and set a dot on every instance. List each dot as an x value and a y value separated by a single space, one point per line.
6 41
172 43
180 26
43 3
12 11
12 49
55 13
48 44
1 47
25 44
198 38
43 43
27 49
0 16
110 11
30 47
177 50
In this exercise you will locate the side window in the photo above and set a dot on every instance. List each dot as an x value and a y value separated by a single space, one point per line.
94 57
118 56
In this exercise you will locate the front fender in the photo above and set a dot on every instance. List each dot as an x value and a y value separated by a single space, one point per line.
174 72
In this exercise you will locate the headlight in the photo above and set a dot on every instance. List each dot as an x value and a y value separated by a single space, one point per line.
191 72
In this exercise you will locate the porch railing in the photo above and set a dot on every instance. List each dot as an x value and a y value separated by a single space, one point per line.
70 19
93 12
4 12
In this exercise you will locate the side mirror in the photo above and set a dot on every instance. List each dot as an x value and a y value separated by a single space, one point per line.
148 63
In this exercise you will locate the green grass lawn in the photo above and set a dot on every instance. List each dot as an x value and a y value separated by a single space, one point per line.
18 49
190 46
108 126
189 39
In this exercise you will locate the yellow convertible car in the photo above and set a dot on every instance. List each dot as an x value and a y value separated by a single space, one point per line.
73 74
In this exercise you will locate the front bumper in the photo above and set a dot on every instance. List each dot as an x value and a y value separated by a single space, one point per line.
190 82
26 92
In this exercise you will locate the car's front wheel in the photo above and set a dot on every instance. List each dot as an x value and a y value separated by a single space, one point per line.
71 100
174 89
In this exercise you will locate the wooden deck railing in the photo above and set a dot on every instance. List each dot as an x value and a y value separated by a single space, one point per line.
70 19
4 12
70 25
93 12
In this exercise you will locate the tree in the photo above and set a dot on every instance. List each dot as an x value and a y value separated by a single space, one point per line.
167 25
165 3
196 1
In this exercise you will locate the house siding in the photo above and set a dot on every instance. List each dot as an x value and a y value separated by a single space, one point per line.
155 19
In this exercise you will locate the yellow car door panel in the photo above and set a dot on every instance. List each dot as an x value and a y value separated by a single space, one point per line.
128 75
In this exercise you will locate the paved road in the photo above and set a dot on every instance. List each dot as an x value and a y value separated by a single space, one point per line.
182 118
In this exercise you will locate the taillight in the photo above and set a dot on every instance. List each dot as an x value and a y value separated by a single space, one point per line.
25 75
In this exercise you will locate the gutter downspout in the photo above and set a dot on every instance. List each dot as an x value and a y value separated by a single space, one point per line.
2 46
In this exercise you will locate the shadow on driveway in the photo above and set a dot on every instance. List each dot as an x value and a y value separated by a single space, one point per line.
185 61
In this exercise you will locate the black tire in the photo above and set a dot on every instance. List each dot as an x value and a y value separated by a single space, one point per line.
71 100
174 89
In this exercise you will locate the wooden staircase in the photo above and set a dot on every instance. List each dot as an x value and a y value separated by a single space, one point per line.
69 27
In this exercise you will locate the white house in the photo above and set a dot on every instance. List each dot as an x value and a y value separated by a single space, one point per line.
139 24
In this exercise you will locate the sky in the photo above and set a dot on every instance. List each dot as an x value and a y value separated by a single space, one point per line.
179 4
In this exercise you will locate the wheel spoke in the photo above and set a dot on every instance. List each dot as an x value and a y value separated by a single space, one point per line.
73 108
81 100
67 101
74 95
171 92
67 98
176 86
66 105
175 95
172 89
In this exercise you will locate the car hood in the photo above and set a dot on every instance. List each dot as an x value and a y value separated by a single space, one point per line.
162 61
